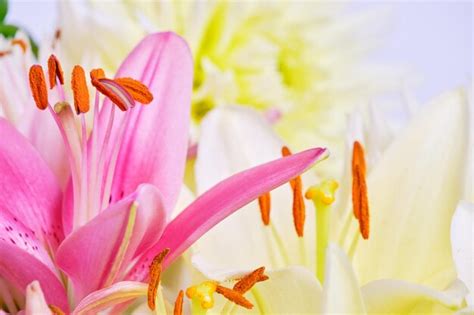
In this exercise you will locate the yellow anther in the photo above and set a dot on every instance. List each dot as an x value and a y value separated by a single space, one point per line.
323 193
204 293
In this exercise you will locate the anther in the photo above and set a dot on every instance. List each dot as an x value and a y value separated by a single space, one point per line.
38 86
79 90
155 273
54 70
56 310
264 201
234 296
360 202
21 43
299 208
178 304
137 90
248 281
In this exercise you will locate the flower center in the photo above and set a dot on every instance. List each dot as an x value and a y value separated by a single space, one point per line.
91 146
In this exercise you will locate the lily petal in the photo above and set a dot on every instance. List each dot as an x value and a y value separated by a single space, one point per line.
20 268
35 301
156 138
30 192
341 293
413 192
462 238
97 253
401 297
115 294
224 199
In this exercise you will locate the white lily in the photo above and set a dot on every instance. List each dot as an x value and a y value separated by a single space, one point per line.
413 186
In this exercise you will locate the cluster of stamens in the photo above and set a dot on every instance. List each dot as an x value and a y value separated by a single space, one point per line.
203 293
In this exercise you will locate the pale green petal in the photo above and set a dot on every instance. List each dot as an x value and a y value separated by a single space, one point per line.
413 192
462 238
401 297
341 293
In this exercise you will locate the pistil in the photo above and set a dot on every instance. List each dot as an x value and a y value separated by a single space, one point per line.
322 195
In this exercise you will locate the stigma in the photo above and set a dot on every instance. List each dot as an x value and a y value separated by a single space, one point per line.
360 201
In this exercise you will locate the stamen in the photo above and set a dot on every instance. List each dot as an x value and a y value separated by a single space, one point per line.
114 91
38 86
234 296
264 202
178 304
54 70
203 293
21 43
55 310
359 190
79 90
155 273
247 282
97 74
137 90
299 208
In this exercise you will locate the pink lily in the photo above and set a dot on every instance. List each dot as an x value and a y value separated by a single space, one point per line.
101 234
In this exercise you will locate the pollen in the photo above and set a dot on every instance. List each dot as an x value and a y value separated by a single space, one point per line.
234 296
264 201
137 90
360 202
204 293
38 86
54 70
79 90
248 281
155 274
178 304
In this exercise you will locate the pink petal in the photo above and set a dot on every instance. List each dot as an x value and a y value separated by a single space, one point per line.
118 293
30 191
20 268
221 201
96 254
155 143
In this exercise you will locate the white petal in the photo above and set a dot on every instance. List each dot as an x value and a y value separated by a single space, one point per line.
462 239
413 192
341 293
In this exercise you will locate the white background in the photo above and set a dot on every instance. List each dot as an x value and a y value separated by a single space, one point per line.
434 38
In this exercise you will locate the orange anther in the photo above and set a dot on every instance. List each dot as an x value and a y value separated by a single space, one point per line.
248 281
264 202
178 304
79 90
97 74
55 310
54 70
360 201
38 86
21 43
137 90
234 296
155 273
